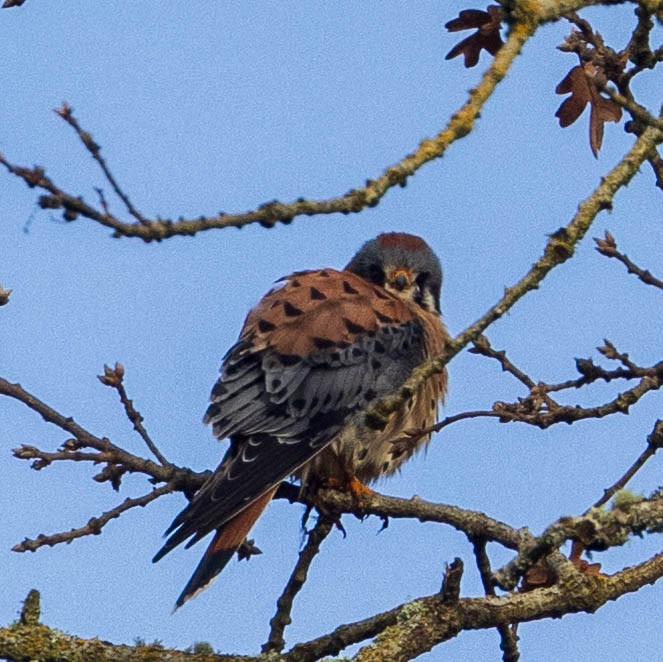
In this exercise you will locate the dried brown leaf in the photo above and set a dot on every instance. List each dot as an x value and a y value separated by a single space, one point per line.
578 83
487 35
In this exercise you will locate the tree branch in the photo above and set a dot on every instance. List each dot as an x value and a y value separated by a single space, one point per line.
94 525
597 530
270 213
418 626
27 639
608 247
560 247
278 624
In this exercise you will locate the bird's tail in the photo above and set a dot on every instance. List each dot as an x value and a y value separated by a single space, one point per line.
225 543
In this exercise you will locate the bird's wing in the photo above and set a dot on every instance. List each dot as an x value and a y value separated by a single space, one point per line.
316 350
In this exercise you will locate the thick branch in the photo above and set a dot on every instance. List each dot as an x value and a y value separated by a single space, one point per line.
27 639
596 530
422 624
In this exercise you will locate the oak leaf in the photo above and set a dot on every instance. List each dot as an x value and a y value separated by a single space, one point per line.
579 84
487 35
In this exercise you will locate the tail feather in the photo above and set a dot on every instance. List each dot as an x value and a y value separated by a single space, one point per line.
225 543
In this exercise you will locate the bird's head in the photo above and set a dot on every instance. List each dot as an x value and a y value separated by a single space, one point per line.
404 265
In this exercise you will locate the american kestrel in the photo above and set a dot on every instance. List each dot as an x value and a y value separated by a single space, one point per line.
312 357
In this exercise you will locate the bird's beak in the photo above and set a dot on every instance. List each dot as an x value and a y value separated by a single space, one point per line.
400 279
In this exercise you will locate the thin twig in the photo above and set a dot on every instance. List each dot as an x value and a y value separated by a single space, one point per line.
282 619
114 377
654 443
66 113
94 525
508 636
608 247
483 347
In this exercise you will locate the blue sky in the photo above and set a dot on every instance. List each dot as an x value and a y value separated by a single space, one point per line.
222 106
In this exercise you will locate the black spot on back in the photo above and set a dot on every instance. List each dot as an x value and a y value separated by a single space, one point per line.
385 319
317 294
264 326
323 343
348 289
353 327
290 310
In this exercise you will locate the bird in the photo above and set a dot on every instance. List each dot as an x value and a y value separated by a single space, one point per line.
313 356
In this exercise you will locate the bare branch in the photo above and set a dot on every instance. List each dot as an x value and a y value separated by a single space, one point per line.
273 212
654 443
94 525
482 346
180 478
608 247
114 377
281 619
508 636
66 113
